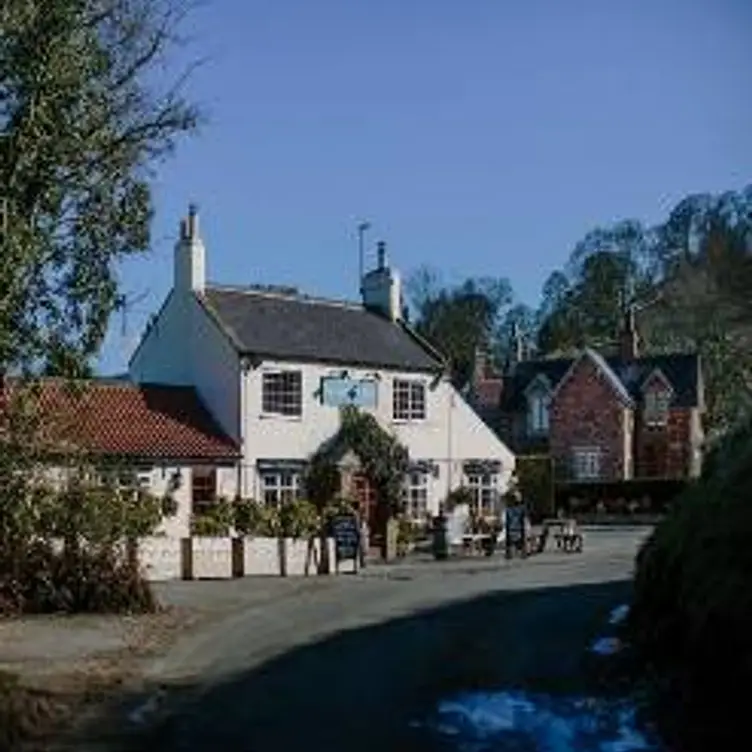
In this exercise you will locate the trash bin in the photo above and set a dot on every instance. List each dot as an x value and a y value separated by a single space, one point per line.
440 537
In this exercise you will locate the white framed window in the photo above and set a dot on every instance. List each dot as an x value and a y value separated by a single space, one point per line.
656 407
415 496
538 415
485 490
280 487
408 399
587 463
282 393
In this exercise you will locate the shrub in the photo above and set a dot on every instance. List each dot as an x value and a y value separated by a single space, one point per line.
692 612
254 518
78 579
339 505
215 521
299 519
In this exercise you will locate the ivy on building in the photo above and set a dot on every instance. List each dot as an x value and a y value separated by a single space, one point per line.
384 460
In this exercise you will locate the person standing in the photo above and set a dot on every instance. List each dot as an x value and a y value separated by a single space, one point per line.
363 540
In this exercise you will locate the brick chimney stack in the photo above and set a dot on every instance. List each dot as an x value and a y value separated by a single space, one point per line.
629 339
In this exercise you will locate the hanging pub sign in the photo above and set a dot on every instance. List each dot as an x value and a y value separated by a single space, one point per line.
337 391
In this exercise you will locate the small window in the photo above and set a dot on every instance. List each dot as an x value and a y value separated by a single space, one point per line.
282 393
656 407
485 490
587 464
538 413
280 487
409 400
415 496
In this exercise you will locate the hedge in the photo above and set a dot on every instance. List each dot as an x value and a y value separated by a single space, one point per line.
691 619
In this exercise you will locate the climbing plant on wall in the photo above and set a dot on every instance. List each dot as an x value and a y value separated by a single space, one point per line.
383 459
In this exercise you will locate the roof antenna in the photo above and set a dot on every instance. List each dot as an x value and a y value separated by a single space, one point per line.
362 228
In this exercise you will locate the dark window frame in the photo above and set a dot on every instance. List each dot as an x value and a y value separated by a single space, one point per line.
282 393
409 400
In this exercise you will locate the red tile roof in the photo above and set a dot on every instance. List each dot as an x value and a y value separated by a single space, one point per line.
139 421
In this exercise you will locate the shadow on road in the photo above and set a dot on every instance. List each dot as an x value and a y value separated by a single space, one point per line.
359 689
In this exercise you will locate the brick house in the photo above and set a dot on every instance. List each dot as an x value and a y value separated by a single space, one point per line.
602 419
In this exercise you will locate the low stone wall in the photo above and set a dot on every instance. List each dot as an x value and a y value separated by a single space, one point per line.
167 558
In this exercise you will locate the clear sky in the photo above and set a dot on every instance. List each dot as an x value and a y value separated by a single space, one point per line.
481 137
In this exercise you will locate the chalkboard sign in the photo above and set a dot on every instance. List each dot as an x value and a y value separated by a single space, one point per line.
346 536
515 524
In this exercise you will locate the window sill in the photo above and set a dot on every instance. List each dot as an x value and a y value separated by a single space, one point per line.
280 416
409 421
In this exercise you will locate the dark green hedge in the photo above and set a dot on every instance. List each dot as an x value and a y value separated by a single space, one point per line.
691 620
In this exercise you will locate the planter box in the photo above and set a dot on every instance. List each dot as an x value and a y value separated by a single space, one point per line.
207 558
160 558
262 556
285 557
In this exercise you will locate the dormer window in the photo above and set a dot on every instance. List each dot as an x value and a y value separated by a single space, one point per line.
657 395
656 407
538 403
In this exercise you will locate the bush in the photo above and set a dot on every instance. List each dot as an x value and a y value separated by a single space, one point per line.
254 518
215 521
692 613
90 579
299 519
293 519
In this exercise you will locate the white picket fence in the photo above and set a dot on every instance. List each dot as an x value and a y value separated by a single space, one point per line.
166 558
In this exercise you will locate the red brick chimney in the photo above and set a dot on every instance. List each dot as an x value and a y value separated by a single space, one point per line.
486 383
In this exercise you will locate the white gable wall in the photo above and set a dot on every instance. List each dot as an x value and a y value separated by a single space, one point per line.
450 434
185 346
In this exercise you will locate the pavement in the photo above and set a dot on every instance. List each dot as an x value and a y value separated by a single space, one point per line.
349 661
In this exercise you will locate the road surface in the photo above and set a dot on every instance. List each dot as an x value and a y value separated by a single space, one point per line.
348 662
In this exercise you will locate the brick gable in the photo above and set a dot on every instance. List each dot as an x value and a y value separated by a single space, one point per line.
587 412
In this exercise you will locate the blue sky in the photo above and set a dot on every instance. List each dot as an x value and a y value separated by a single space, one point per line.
481 137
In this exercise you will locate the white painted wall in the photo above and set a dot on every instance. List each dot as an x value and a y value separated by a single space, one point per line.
450 434
184 346
162 356
157 480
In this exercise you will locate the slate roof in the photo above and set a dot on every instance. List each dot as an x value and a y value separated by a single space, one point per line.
682 371
289 326
115 418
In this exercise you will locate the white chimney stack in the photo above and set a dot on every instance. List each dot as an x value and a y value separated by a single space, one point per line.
382 287
190 255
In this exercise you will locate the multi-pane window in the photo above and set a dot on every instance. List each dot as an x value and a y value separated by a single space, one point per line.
415 496
282 393
280 487
656 407
485 490
538 413
587 464
409 400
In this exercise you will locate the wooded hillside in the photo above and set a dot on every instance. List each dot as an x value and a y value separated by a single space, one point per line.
689 279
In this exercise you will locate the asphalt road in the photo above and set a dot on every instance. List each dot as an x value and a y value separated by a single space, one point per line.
347 662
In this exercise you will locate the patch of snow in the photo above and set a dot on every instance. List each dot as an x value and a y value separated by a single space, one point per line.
619 614
516 720
142 713
607 646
